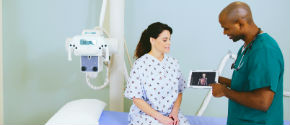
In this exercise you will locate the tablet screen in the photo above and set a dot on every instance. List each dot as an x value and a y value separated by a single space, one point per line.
202 79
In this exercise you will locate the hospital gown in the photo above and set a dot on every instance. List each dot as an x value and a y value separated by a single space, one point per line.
158 83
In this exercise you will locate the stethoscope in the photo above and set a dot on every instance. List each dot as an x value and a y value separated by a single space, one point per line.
244 53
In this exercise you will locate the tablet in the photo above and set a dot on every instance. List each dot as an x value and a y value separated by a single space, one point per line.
202 78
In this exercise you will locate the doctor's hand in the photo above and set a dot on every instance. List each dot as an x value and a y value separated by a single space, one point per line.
165 120
174 116
218 89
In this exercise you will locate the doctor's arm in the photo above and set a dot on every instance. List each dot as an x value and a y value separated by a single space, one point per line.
145 107
260 99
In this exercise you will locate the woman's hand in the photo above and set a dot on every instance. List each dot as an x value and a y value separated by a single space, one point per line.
165 120
174 116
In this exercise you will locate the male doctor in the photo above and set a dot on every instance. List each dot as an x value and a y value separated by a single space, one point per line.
255 91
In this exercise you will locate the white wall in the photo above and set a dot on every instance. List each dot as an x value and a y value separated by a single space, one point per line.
198 41
1 67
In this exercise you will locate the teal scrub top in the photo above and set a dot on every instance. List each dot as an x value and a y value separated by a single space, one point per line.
262 66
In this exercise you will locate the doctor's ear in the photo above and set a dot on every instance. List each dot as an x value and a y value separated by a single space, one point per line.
242 22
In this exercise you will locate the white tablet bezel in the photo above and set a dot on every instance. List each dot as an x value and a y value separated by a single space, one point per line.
196 86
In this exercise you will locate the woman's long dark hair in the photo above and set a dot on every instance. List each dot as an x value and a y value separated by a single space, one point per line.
153 30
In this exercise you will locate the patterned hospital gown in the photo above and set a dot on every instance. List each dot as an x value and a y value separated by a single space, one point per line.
158 83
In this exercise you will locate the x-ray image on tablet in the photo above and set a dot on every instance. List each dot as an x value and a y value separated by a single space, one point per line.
202 78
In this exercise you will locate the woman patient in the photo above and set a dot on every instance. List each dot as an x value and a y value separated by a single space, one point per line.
155 84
